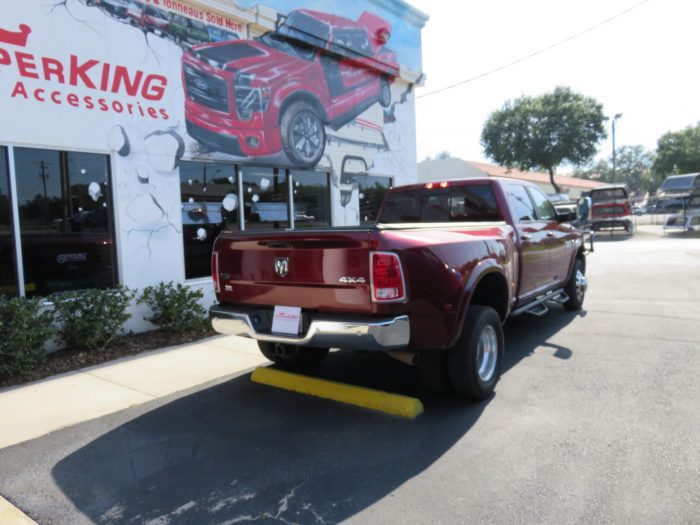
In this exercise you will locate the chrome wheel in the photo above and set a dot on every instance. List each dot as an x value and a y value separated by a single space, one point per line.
581 285
303 134
487 354
474 361
307 136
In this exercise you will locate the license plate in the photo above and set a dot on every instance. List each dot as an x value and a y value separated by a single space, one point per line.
286 320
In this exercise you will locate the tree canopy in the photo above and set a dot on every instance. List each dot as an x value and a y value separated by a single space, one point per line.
677 152
632 167
544 132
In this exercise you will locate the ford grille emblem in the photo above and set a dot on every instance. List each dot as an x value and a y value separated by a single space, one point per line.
282 266
201 83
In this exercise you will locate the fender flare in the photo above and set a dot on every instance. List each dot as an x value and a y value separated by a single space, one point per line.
483 270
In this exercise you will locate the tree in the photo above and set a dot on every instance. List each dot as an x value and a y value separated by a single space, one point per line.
544 132
632 167
443 155
677 152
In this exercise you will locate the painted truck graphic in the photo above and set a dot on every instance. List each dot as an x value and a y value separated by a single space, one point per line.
277 92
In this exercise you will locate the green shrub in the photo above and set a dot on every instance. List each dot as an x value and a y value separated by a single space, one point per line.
175 307
24 330
92 319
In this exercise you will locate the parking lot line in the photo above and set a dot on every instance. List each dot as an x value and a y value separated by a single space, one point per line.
396 404
11 515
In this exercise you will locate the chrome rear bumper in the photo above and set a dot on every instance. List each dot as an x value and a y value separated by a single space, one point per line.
370 334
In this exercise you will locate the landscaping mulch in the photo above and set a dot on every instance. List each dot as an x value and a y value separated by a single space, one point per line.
68 359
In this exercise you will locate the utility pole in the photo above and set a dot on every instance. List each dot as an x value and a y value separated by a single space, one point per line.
614 119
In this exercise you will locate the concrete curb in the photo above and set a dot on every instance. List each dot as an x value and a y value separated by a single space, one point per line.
32 410
11 515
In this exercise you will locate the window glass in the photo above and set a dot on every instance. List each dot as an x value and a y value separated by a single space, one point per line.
8 284
209 194
467 203
609 194
66 222
372 190
311 199
473 203
265 196
520 202
545 210
352 41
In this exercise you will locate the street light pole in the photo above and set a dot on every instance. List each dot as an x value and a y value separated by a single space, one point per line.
614 119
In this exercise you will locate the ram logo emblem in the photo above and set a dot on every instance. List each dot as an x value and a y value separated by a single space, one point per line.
282 266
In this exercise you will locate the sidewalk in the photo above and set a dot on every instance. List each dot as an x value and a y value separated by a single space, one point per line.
35 409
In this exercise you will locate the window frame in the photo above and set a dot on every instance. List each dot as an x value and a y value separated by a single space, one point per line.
533 208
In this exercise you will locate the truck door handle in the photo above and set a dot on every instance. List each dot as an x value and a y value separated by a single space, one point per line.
525 237
550 234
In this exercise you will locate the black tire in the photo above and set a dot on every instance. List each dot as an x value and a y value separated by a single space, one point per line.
292 356
475 361
432 371
575 288
384 92
303 134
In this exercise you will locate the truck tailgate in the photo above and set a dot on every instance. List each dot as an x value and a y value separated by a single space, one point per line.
328 269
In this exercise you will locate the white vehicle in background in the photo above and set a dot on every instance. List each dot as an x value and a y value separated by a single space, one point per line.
688 219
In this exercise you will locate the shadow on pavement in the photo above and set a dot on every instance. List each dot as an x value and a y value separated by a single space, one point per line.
240 451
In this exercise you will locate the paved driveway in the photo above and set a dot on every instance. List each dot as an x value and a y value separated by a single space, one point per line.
594 421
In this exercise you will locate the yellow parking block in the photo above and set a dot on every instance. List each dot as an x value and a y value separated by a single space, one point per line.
395 404
11 515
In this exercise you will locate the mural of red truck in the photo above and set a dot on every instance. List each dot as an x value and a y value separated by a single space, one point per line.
277 92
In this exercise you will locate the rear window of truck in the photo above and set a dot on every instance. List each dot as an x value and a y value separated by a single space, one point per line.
472 203
608 194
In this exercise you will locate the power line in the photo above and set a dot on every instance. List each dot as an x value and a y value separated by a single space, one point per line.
539 52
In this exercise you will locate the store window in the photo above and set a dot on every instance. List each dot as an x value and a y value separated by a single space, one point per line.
265 198
8 284
311 199
209 193
66 221
372 190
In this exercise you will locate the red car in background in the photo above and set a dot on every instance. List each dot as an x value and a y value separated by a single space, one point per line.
277 92
611 208
154 20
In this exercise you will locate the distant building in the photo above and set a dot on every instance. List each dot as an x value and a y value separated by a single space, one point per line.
449 169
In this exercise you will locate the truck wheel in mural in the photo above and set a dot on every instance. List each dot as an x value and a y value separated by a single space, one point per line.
303 134
384 92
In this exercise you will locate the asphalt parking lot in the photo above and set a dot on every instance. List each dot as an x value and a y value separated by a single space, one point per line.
595 420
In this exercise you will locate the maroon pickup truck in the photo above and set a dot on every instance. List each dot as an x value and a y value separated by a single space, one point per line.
430 284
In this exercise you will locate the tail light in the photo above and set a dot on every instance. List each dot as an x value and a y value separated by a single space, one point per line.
387 282
215 271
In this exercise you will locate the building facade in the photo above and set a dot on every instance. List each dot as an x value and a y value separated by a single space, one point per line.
135 131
